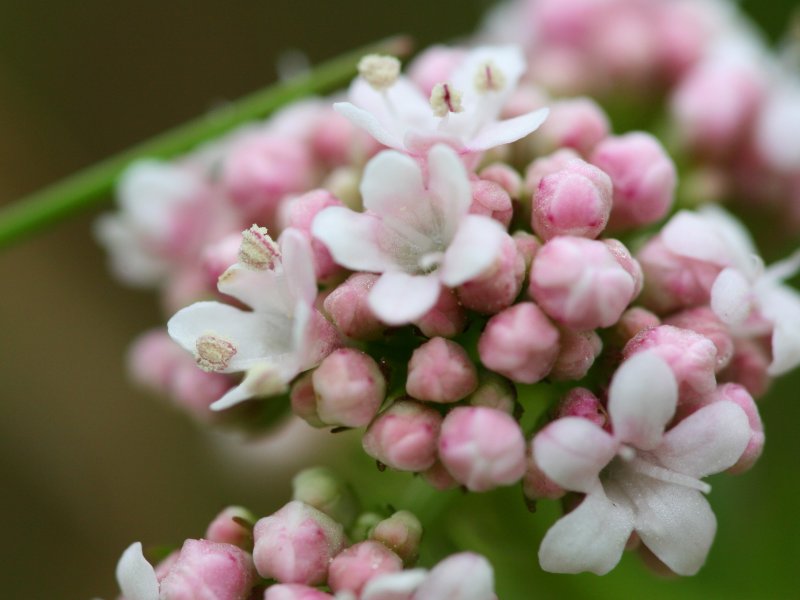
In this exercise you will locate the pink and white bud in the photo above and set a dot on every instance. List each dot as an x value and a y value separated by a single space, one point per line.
739 395
749 367
217 257
495 392
304 400
491 200
643 175
225 530
299 213
575 200
324 490
294 591
580 283
504 176
499 286
527 247
349 387
349 309
538 486
576 123
206 569
580 402
439 477
633 321
577 352
520 343
440 371
547 165
463 576
434 65
355 566
447 317
482 448
401 533
296 544
627 262
404 436
704 321
691 357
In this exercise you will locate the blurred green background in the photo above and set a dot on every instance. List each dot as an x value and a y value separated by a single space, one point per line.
87 464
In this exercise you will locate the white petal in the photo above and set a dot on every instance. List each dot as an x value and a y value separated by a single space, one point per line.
369 123
261 380
508 59
475 248
590 538
572 451
783 269
392 185
298 266
690 234
508 131
398 298
352 239
261 290
136 577
394 586
642 400
781 306
730 296
463 576
707 441
675 522
449 187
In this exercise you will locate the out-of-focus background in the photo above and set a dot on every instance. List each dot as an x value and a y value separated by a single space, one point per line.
87 463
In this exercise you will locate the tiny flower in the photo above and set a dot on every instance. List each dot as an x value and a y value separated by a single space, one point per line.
401 533
404 436
419 236
349 388
353 567
440 371
580 402
224 529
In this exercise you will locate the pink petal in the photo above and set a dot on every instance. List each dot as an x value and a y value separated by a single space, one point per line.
136 577
707 441
590 538
642 400
475 248
572 451
352 239
398 298
730 296
510 130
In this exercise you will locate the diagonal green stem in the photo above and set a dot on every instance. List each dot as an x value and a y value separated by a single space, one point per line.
87 187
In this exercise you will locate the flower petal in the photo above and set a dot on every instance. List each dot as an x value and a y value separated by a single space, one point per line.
369 123
298 266
448 183
590 538
352 239
730 296
474 249
398 298
707 441
781 305
642 400
260 290
572 451
508 131
689 234
462 576
136 577
675 522
261 380
394 586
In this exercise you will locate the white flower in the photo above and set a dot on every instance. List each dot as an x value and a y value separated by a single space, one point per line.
745 293
638 478
462 112
419 236
280 337
135 576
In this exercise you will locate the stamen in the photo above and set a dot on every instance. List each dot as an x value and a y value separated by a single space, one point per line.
379 71
489 78
650 470
430 261
445 99
213 353
258 251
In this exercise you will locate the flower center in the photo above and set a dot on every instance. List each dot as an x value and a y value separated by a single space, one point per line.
258 252
628 458
445 99
213 353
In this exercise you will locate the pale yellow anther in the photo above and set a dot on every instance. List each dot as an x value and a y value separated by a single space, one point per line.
445 99
258 251
489 78
379 71
213 353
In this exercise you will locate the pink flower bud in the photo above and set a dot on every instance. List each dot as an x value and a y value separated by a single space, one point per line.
404 436
748 367
633 321
440 371
217 257
575 200
547 165
702 320
296 544
536 485
207 569
576 355
691 356
465 575
195 390
499 286
354 567
446 319
153 358
580 402
294 591
299 212
439 477
482 448
348 308
304 400
739 395
401 533
491 200
223 529
350 388
577 123
324 490
505 176
527 247
580 283
520 343
643 175
336 141
495 392
434 65
627 262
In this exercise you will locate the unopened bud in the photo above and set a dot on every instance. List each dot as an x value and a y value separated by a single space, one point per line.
226 528
440 371
349 387
495 392
324 490
354 567
401 533
404 436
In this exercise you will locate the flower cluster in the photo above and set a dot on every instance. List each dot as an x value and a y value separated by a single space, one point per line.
430 258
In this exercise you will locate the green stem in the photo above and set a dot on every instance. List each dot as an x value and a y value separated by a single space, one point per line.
87 187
